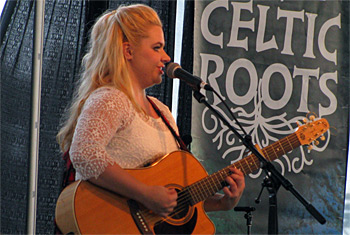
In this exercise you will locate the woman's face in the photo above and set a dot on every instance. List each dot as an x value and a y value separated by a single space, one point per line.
147 60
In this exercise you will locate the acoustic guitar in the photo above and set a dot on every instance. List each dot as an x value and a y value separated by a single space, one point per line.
83 208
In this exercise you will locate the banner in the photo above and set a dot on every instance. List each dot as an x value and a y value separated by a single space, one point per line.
275 63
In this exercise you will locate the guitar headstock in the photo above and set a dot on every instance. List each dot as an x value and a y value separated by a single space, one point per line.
312 131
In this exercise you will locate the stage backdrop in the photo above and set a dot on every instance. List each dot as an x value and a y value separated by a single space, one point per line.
274 62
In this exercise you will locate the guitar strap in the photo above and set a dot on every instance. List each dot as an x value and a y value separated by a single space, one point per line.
165 120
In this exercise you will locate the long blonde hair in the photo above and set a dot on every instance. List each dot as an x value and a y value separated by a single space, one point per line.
104 64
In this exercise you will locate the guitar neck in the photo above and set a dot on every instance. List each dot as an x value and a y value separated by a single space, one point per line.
252 163
211 184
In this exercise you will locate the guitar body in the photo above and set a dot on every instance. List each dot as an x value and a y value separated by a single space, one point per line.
87 209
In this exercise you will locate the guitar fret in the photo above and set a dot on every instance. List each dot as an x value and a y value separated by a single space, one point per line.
212 185
207 191
215 183
206 187
254 161
202 190
198 191
273 149
203 187
222 177
276 148
218 182
279 142
242 168
291 146
247 163
193 195
266 153
295 140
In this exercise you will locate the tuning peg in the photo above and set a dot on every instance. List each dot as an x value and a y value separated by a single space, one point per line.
323 138
312 117
317 142
309 147
305 120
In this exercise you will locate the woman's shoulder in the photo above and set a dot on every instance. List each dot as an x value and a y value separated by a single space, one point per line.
166 112
110 96
108 91
159 104
162 107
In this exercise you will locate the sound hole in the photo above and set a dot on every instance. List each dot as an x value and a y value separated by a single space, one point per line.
182 208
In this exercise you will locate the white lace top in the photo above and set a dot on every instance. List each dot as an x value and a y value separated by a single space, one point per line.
110 130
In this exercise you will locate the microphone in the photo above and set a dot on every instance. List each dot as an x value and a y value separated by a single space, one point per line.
174 70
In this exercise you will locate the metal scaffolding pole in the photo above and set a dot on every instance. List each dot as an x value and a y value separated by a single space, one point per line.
35 114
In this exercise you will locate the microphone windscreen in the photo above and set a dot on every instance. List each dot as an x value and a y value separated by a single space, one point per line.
170 69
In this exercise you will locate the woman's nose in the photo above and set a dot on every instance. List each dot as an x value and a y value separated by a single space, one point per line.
166 58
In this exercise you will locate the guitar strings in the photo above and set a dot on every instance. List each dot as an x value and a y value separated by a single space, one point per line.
184 201
186 194
154 218
291 140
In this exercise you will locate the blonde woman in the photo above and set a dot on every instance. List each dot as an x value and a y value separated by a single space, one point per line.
112 124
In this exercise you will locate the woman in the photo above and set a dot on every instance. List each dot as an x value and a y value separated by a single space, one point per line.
112 124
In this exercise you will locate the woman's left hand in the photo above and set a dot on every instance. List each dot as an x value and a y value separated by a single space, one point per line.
234 191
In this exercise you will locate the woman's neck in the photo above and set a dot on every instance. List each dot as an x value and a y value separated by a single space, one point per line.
141 99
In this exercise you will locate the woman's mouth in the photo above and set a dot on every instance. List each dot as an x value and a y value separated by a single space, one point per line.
161 70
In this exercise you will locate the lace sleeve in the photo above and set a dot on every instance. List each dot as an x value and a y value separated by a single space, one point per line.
105 111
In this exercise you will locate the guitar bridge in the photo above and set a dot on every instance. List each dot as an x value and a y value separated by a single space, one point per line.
138 217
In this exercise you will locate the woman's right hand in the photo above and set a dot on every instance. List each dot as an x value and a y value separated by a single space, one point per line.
160 200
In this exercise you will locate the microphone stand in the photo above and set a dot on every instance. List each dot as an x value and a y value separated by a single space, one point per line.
248 216
272 186
267 166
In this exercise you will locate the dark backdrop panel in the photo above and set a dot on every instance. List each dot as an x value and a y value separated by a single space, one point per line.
67 24
65 30
16 68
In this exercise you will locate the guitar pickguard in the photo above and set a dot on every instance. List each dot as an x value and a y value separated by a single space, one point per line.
186 228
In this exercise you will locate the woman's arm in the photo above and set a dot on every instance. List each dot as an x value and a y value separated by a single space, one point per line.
159 199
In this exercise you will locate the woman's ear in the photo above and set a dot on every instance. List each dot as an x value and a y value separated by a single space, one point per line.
127 50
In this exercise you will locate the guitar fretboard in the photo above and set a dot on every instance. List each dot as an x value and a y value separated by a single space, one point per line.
211 184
